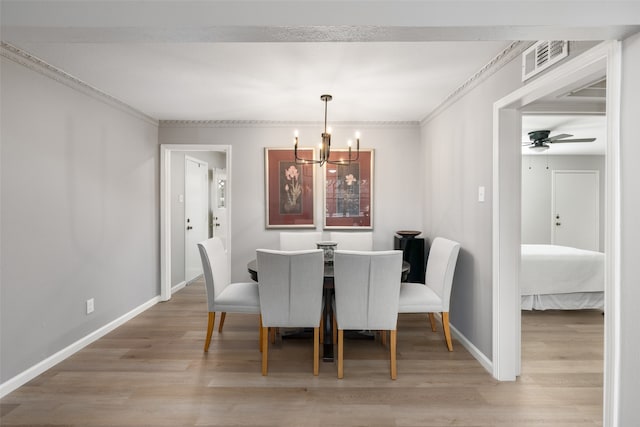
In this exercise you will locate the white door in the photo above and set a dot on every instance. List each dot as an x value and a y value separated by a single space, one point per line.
196 206
575 208
219 205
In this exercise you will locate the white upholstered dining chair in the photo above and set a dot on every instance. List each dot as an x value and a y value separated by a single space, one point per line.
299 240
434 295
354 241
290 287
222 295
367 288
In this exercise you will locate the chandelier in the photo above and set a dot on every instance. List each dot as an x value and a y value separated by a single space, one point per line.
325 145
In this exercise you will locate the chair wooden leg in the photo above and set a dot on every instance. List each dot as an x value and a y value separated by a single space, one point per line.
340 353
222 316
383 337
321 329
316 350
447 332
392 345
265 349
261 333
432 319
334 330
212 319
272 335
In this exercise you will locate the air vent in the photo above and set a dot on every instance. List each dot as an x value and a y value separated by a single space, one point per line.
542 55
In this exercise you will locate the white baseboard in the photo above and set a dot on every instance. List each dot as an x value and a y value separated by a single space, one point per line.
177 287
475 352
26 376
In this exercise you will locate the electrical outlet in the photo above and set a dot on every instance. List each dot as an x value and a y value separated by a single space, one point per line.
90 306
481 193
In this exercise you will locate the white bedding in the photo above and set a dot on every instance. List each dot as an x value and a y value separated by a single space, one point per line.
551 269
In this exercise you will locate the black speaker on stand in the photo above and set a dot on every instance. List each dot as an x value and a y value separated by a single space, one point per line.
413 251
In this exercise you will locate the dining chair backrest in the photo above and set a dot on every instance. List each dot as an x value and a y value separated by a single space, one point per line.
299 241
355 241
290 286
216 268
367 289
441 265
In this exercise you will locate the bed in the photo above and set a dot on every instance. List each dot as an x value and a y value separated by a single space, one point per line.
561 278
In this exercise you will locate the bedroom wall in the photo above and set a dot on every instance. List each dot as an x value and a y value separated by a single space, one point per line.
398 186
80 220
629 352
536 193
457 153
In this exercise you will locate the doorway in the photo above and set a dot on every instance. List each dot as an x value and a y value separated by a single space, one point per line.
218 221
170 218
196 207
603 59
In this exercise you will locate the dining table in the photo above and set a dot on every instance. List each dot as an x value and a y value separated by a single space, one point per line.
327 310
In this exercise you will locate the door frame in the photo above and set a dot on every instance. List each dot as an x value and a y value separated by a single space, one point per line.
165 206
604 58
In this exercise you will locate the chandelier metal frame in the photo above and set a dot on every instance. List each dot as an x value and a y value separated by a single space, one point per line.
325 145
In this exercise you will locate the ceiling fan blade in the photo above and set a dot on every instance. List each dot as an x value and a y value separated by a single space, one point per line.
560 136
574 140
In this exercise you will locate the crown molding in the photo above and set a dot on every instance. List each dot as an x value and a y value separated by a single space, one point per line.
273 123
36 64
509 53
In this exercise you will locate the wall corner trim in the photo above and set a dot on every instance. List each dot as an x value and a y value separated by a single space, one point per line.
277 123
39 368
36 64
500 60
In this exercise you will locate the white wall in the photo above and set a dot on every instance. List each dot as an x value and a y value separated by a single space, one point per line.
457 154
536 193
629 414
397 179
80 197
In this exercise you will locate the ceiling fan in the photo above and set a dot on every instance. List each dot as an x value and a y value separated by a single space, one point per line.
540 139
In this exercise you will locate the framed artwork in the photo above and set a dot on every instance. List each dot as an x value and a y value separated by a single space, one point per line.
348 192
288 189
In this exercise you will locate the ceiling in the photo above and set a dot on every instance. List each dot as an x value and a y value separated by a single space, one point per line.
578 110
273 81
271 60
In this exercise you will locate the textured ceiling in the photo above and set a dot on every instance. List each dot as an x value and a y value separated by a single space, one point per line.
377 81
271 60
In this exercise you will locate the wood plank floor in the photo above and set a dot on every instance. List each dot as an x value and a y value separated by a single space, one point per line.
153 372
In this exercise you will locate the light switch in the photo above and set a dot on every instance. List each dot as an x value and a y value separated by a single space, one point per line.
481 193
181 198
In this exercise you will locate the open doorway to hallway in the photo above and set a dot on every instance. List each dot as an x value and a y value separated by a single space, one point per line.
191 201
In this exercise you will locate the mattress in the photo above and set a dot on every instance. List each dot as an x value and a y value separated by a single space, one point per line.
572 301
552 269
